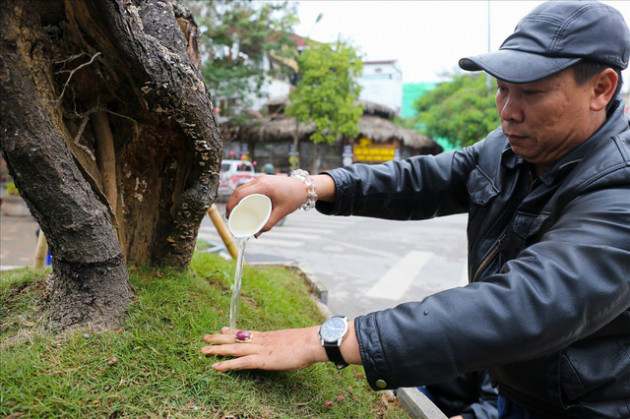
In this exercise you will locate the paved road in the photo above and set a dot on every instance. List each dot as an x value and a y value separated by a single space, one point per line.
366 264
17 241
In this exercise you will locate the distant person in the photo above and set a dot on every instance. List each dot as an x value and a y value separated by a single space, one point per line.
547 310
268 169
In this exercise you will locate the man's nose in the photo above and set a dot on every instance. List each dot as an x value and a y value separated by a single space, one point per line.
510 110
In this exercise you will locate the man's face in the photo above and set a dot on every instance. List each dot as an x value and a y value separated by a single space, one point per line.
545 119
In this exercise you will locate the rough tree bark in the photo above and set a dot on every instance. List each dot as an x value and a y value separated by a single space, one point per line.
108 131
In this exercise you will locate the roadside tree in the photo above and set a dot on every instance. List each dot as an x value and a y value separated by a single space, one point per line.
327 93
461 110
108 132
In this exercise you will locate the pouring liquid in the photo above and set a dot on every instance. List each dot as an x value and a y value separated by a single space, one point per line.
247 218
236 289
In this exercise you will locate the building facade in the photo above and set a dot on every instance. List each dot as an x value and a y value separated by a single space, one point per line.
382 83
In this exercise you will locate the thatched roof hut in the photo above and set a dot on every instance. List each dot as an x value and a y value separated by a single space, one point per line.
277 128
377 109
282 128
383 130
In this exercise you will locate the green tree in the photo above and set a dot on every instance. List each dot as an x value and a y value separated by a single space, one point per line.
461 110
327 93
237 38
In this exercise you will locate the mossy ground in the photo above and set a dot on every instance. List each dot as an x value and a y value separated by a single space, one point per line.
152 366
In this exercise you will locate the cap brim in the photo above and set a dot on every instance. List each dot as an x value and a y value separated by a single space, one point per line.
516 66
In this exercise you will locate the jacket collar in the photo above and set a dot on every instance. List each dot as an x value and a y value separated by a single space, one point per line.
616 123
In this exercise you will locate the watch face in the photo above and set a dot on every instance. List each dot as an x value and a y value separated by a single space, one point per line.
333 329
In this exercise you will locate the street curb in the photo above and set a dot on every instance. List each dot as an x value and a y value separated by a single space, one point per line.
318 289
411 399
418 405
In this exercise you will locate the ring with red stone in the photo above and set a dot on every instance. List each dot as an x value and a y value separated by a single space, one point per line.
243 336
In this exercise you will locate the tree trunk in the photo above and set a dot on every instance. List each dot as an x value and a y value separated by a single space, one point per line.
108 131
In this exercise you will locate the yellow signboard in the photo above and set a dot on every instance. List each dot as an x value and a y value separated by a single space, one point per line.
368 152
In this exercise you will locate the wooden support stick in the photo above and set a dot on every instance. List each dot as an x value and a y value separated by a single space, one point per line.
41 250
105 156
227 238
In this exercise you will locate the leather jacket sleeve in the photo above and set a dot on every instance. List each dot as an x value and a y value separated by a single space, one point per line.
393 190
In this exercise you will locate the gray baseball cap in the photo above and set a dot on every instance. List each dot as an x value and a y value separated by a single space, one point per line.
553 37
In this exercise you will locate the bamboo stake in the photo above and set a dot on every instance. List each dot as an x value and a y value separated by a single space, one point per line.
40 251
227 238
105 156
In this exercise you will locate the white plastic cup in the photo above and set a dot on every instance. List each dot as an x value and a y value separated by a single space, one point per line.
249 216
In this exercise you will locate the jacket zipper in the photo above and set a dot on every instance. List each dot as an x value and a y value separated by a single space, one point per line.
497 246
493 252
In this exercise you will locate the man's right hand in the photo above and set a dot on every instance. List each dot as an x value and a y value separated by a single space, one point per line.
286 193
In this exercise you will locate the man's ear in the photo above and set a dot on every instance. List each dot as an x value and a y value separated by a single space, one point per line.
604 85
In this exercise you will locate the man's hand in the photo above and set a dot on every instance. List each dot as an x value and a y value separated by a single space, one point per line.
286 194
282 350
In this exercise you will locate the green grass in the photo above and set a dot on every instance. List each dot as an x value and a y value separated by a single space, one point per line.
152 367
202 245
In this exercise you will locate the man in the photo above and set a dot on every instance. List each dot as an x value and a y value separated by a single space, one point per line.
547 310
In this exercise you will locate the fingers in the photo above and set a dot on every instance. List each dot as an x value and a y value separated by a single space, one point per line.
222 344
278 189
244 356
242 363
218 339
273 219
283 191
242 353
233 349
257 185
226 336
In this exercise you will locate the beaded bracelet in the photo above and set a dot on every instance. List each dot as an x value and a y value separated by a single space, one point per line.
310 187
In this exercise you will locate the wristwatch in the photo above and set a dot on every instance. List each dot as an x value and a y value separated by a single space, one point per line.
331 334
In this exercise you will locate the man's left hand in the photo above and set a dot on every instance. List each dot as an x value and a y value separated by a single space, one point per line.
282 350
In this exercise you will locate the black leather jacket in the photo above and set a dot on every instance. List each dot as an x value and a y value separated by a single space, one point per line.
548 306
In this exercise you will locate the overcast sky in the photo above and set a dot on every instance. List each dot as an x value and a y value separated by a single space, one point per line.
426 37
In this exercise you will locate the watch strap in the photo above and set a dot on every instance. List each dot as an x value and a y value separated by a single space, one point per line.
334 354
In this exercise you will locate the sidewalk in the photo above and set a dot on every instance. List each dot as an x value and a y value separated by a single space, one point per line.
17 241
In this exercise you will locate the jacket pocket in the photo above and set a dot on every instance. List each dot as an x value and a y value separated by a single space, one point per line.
527 225
596 367
481 188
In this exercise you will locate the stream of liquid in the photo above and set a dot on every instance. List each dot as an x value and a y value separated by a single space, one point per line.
236 290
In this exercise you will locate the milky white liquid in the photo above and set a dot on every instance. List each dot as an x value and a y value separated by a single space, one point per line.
236 290
244 222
